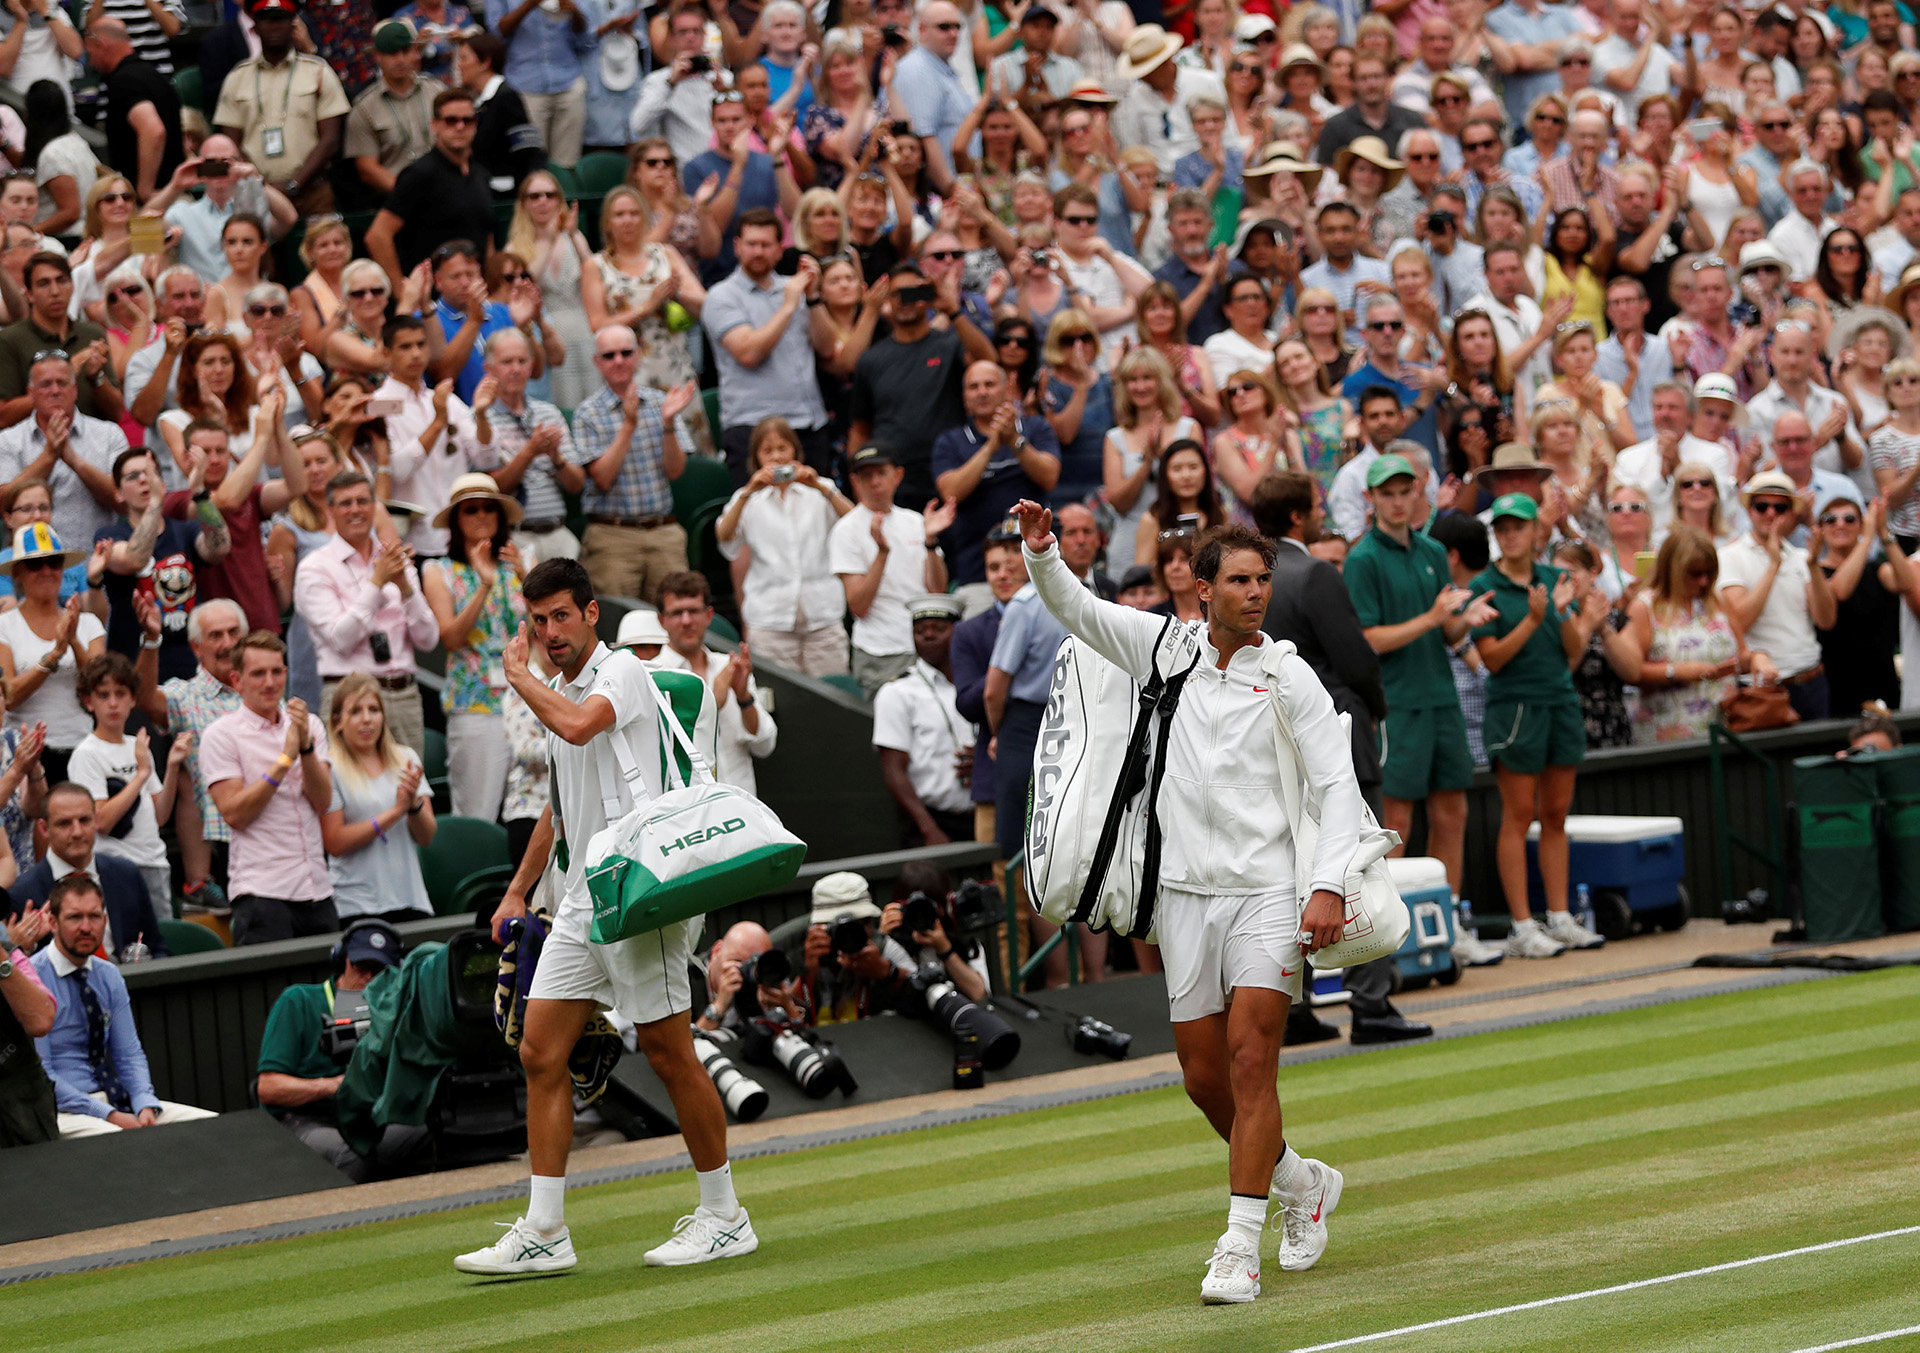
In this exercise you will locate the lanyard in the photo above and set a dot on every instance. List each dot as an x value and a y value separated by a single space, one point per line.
413 101
934 691
286 95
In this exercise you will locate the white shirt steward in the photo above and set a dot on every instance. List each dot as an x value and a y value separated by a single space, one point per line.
1232 887
645 977
914 713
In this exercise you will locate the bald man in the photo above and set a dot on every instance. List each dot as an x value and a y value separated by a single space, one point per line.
143 108
926 82
998 456
725 1004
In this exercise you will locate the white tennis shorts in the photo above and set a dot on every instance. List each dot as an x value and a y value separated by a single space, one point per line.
645 978
1210 945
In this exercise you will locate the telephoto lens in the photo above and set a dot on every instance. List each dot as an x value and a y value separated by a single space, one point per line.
771 968
745 1098
1090 1036
816 1070
849 935
999 1043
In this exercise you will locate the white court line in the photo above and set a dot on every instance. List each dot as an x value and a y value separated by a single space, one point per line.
1623 1287
1863 1339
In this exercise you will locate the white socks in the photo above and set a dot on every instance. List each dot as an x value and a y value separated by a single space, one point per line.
547 1203
716 1190
1246 1217
1290 1174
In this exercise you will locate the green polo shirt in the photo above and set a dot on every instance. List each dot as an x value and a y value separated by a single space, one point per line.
291 1043
1391 583
1539 672
19 342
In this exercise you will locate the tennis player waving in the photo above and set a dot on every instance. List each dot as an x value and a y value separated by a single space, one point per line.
1231 926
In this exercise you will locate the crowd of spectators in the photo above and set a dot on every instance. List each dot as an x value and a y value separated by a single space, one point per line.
1571 343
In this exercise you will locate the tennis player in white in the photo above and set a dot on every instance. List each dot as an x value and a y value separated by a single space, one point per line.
1229 920
601 694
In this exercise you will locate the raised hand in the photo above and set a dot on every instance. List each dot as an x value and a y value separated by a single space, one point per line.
1036 524
408 787
677 401
484 395
296 727
514 656
939 515
1537 602
1481 611
442 393
182 749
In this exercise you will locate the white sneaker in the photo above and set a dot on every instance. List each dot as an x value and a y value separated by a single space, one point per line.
1233 1274
1470 951
1562 926
1530 940
521 1252
705 1235
1303 1220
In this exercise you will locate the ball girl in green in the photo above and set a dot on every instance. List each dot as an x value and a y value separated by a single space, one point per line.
1535 735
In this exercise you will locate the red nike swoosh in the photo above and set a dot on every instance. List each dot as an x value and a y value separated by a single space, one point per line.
1319 1203
1259 690
1286 972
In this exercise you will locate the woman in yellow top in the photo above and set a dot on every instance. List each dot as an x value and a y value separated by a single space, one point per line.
1579 252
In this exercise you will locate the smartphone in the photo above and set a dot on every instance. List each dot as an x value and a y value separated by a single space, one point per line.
147 235
699 63
900 127
215 169
1187 523
384 408
1701 129
1643 565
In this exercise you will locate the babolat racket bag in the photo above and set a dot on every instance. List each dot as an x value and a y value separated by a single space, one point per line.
1093 833
695 848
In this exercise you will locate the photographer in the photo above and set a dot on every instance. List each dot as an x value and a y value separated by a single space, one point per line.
302 1061
734 957
850 973
921 920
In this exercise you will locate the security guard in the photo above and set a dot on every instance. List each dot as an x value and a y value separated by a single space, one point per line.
925 746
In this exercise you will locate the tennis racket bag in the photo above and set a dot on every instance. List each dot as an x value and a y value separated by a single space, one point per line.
1093 831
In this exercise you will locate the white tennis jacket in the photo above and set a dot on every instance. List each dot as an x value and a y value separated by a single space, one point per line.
1223 820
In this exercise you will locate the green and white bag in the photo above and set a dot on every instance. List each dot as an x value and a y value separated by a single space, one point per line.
696 848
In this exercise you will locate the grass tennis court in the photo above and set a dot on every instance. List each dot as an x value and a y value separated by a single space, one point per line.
1481 1172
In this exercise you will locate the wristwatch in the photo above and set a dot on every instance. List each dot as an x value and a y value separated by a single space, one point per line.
6 969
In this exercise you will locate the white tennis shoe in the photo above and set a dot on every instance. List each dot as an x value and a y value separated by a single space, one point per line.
1303 1219
1562 926
522 1252
1531 940
705 1235
1233 1274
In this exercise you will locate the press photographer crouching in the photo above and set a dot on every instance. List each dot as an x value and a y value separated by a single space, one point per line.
851 972
946 932
755 1012
310 1035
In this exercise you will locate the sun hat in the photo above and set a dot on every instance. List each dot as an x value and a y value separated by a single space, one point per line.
1848 325
1770 483
36 540
1284 157
1896 299
1514 505
1374 151
641 625
1250 28
842 894
1149 47
1512 456
1762 254
1718 385
1299 54
476 485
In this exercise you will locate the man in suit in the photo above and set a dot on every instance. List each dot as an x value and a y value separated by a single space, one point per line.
1311 610
70 836
972 647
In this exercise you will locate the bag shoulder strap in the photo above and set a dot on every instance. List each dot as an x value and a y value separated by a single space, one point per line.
1132 768
699 771
1150 864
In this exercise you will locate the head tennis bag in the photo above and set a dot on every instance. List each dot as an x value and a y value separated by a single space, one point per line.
1377 919
1093 831
695 848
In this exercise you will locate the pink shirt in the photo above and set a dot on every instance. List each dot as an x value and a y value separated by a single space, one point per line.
279 853
334 593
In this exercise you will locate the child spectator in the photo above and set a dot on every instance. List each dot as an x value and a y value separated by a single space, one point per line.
118 771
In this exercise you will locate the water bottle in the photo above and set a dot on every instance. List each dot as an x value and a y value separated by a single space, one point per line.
1463 918
1583 907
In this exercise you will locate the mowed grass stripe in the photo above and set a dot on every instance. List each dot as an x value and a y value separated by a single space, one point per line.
986 1152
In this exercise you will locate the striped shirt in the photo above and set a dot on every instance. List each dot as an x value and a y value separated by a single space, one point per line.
539 490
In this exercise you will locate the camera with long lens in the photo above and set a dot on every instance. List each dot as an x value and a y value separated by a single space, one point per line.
1090 1037
977 908
771 968
745 1098
815 1067
848 934
976 1031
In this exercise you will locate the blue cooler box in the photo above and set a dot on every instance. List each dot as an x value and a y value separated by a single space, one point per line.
1428 951
1632 867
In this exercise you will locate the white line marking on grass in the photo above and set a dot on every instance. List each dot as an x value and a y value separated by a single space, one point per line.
1627 1287
1863 1339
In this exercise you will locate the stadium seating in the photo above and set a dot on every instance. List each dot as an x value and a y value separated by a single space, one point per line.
463 850
600 173
184 937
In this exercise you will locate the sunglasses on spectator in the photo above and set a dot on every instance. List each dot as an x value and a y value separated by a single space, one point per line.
116 197
1235 391
1710 261
946 27
945 255
515 276
1843 248
1081 220
459 119
1322 308
658 162
125 293
1694 484
729 96
47 354
1477 145
362 293
1075 340
1699 575
1553 118
1385 325
612 353
277 310
1840 519
474 509
1014 341
540 194
1774 126
1576 61
1770 507
1627 507
35 565
1451 99
1904 380
1422 157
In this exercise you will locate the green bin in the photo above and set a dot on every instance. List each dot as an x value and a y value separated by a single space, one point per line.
1836 807
1898 774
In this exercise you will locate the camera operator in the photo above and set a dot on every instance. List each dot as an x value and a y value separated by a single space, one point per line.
924 887
302 1061
850 972
730 1005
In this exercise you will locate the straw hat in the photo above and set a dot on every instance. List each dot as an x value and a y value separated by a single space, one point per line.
1771 484
1299 54
1513 456
1284 157
1848 324
1909 278
36 540
1150 47
1374 151
476 486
